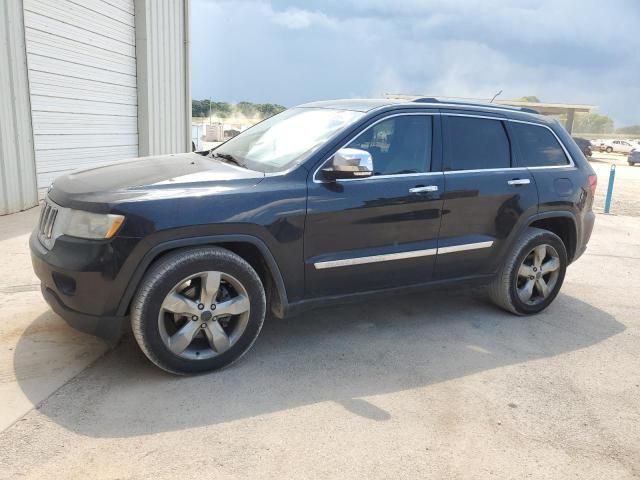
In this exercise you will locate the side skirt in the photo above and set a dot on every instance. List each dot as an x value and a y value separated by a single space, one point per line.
296 308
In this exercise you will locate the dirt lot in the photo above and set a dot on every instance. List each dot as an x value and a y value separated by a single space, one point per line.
441 385
626 187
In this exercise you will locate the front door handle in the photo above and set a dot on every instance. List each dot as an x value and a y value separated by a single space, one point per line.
428 188
519 181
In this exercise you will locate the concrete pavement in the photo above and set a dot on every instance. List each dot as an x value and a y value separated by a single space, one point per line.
438 385
50 352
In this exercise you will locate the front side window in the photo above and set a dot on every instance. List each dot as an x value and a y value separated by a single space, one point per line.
538 146
398 145
476 144
285 139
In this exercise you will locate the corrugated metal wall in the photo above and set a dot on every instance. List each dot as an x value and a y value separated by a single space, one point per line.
82 73
164 89
17 168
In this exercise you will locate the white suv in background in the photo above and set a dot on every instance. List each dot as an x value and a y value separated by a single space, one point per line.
616 146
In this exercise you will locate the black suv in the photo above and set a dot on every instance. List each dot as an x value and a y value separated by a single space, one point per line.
324 202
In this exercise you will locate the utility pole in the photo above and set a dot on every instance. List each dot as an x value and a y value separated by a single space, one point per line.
209 111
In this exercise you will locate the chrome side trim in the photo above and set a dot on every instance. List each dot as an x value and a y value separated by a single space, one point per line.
465 247
375 258
401 255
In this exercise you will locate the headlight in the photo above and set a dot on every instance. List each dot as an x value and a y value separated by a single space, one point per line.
92 225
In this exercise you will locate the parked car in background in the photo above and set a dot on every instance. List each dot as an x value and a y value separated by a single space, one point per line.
584 144
319 204
634 157
616 146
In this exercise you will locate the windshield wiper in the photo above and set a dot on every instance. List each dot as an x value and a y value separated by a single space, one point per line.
227 157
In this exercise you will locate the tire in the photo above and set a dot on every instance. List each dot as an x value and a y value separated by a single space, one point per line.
504 289
631 164
156 317
609 149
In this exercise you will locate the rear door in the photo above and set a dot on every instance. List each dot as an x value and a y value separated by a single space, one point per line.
382 231
485 197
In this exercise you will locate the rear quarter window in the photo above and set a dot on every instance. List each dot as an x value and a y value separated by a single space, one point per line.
538 146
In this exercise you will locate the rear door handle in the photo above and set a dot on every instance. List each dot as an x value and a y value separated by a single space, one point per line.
519 181
428 188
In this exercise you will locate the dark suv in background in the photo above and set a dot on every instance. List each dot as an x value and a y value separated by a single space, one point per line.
584 145
322 203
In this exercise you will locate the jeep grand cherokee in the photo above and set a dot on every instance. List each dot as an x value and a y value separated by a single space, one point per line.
322 203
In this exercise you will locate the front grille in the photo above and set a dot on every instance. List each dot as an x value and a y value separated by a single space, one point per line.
47 220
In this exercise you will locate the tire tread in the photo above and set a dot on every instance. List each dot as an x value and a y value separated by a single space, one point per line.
155 276
499 288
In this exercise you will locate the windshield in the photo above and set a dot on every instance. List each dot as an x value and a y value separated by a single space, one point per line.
284 139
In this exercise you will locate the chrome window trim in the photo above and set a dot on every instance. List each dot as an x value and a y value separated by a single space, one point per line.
504 169
400 175
566 152
571 163
385 257
382 177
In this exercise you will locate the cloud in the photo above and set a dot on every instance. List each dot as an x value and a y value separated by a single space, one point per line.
289 51
295 18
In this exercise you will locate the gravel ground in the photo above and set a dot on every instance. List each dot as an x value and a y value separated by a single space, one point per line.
626 190
440 385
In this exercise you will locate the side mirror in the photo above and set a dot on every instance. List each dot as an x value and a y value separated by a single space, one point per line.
349 163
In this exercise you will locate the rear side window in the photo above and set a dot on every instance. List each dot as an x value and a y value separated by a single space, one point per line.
476 143
538 146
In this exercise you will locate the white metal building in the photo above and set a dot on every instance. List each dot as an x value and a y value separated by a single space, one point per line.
85 82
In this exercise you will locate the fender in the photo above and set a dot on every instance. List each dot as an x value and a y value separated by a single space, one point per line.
154 252
543 215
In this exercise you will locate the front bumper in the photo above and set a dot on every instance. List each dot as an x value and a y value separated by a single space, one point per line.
107 328
77 281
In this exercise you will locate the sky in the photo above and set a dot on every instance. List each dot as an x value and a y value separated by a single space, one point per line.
290 52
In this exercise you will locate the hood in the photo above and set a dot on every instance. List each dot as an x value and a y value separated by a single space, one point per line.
146 178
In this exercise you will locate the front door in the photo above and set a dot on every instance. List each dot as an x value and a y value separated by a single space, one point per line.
382 231
485 199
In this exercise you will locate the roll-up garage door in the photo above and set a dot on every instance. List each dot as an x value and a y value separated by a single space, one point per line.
82 76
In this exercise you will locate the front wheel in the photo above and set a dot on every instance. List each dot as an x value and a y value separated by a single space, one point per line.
609 149
198 310
532 274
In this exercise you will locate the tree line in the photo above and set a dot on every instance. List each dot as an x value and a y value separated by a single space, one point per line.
204 108
583 122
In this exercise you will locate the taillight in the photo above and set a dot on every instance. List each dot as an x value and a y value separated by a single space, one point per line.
593 183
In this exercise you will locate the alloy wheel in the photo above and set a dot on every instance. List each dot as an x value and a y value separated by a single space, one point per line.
204 315
538 274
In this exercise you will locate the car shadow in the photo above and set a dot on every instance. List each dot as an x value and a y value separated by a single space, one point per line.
339 354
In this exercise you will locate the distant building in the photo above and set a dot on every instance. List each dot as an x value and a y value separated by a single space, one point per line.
215 132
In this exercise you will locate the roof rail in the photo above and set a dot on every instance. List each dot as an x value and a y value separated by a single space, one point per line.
477 104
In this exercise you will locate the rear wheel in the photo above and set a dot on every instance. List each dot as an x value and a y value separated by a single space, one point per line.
198 310
532 274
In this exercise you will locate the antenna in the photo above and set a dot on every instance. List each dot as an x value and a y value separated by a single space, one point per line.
494 97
